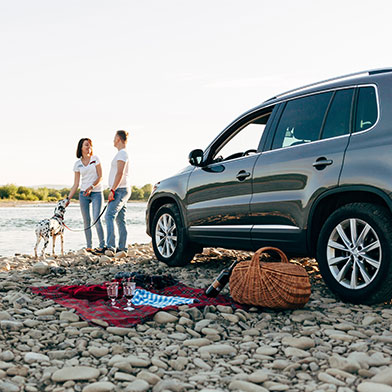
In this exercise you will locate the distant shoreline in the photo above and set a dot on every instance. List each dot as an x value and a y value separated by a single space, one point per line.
17 203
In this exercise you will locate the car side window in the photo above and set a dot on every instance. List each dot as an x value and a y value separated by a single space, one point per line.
337 122
301 120
366 115
244 141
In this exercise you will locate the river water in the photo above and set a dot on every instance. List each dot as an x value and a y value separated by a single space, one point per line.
17 227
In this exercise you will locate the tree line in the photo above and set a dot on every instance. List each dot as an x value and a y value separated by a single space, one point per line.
14 192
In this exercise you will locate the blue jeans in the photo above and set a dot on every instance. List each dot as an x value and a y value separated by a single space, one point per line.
96 199
117 210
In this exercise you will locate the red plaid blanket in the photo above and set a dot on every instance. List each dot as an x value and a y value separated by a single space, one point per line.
101 309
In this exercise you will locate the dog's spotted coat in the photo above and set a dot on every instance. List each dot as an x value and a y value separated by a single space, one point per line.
52 227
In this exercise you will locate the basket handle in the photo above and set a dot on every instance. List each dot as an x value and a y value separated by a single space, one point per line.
256 257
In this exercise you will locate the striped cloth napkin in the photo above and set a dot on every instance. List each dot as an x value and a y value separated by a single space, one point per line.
144 297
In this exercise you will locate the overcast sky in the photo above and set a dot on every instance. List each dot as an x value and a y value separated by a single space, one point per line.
173 73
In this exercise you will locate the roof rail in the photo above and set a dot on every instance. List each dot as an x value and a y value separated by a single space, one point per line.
351 75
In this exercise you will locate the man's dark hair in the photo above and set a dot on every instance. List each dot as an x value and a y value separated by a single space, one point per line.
123 135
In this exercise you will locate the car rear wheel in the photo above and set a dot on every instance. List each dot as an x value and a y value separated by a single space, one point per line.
169 239
354 253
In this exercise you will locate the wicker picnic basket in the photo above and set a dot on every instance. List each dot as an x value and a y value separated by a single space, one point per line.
279 285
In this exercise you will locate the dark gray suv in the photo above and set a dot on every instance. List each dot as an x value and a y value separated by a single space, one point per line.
308 171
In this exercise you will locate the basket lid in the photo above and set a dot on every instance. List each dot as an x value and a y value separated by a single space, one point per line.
285 269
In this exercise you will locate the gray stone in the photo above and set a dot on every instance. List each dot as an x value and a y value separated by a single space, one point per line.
121 376
169 385
35 357
384 376
233 318
327 378
46 311
69 316
137 386
280 364
138 361
151 378
164 318
7 356
119 331
296 352
62 354
221 349
224 309
98 352
178 364
347 365
11 325
124 366
373 387
41 268
379 359
246 386
99 322
266 350
5 315
159 363
8 387
101 386
75 373
258 376
275 386
198 342
302 343
369 320
178 336
201 364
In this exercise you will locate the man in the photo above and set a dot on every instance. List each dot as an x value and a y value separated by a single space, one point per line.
119 194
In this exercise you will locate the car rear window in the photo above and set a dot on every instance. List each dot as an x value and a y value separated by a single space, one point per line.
366 115
301 120
337 122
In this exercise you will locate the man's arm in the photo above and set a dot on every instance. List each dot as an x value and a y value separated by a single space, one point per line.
117 179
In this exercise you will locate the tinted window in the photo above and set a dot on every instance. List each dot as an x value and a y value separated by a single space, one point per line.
247 138
301 120
337 122
366 109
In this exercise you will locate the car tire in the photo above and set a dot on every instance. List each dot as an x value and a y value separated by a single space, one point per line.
354 253
169 238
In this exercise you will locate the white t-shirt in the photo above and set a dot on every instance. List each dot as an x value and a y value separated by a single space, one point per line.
122 155
88 174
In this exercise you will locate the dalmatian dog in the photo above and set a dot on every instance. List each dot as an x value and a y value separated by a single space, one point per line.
52 227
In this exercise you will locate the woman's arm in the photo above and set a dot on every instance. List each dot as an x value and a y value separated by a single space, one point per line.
97 181
74 187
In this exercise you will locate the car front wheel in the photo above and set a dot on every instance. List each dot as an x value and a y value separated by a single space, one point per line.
354 253
169 239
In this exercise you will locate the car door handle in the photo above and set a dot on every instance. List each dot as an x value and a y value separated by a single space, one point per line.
242 175
321 163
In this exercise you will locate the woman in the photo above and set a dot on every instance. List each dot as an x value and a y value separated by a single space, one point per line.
88 169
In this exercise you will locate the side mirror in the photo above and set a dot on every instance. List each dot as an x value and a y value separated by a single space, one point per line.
196 157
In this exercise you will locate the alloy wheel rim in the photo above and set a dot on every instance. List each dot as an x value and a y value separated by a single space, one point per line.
166 235
354 253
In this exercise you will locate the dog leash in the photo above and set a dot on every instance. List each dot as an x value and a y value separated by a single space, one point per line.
99 217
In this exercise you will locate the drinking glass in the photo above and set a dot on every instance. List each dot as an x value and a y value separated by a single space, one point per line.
129 290
112 290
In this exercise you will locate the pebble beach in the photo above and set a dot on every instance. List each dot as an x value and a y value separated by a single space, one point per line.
326 346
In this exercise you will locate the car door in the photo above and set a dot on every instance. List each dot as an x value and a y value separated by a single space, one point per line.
304 159
220 191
